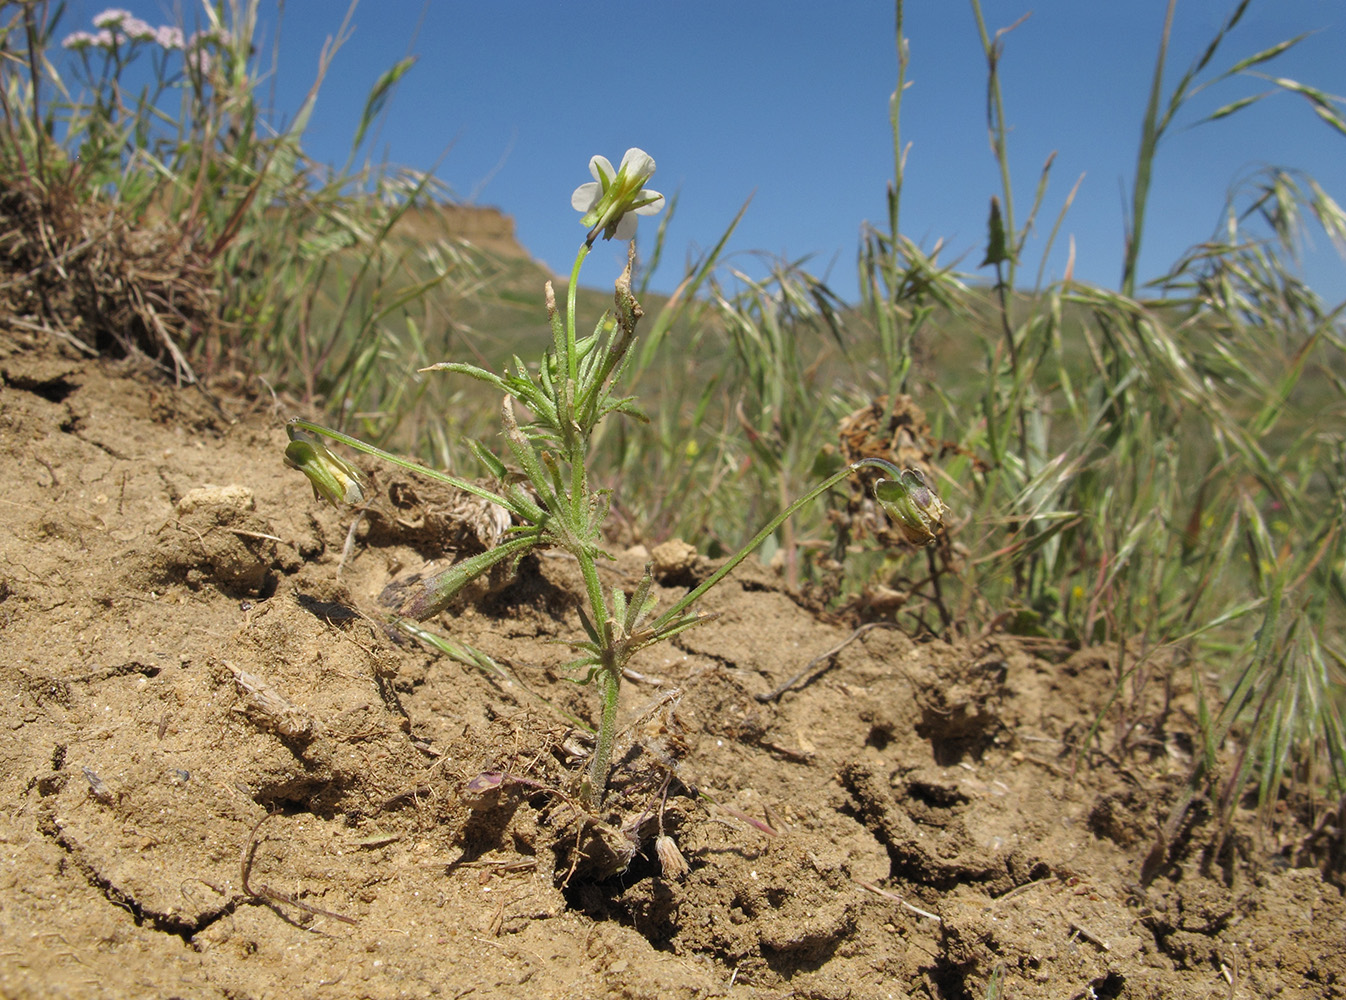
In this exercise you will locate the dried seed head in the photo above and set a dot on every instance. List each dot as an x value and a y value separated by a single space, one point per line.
671 862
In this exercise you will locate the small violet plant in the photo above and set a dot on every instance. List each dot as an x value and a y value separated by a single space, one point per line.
552 505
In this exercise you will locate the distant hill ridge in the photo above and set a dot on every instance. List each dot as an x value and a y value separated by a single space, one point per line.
482 225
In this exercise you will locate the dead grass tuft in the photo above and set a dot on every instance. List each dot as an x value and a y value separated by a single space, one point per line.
81 271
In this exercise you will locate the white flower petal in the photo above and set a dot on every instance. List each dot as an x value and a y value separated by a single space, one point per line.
169 37
637 162
601 169
138 30
626 227
586 196
653 206
111 17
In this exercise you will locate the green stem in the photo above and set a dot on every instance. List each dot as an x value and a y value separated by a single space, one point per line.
1149 143
611 672
572 362
895 123
594 589
568 363
597 780
995 123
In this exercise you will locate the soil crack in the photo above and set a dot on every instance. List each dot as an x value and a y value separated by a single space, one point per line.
175 924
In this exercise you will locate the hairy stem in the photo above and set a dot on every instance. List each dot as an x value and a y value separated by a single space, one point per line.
596 782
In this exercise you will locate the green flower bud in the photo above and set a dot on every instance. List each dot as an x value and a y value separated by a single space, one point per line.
912 506
334 480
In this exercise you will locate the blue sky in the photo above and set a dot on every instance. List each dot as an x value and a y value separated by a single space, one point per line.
787 102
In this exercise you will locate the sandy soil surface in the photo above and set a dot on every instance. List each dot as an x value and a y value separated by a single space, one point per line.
223 776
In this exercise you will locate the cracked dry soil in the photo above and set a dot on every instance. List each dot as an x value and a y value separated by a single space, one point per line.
198 692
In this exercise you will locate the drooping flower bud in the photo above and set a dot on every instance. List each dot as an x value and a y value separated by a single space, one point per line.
334 479
912 505
671 862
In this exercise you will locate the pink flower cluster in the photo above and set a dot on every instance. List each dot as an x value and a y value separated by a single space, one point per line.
117 20
84 39
115 25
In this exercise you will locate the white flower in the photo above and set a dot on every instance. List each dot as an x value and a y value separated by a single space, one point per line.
209 36
613 199
111 17
199 61
138 30
78 40
169 37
